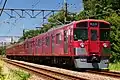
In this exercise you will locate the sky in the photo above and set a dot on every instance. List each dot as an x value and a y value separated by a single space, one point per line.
14 26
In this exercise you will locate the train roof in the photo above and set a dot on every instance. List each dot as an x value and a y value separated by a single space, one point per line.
12 45
93 20
61 26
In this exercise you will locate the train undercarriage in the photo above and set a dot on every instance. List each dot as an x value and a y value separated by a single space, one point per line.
67 62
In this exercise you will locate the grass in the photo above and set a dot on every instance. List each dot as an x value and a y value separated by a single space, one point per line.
18 75
115 66
12 74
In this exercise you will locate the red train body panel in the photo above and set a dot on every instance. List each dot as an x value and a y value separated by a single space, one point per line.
86 42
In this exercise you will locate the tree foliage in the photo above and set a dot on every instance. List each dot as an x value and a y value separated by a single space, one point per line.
2 50
114 19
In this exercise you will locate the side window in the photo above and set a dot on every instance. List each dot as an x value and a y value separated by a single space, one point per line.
58 38
47 41
39 42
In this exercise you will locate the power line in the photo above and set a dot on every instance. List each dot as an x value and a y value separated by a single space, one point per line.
3 7
36 4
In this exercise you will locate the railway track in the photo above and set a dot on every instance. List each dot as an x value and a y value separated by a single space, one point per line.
106 73
50 74
46 73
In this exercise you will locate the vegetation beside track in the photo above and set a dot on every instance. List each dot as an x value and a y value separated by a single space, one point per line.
115 66
12 74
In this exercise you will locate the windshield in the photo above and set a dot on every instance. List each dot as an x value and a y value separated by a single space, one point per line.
104 34
80 34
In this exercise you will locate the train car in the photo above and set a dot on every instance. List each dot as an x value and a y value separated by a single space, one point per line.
80 44
15 50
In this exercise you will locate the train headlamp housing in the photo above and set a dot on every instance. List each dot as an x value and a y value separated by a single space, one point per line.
82 45
105 45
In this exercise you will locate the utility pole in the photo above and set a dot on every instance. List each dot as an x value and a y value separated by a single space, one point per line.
11 39
24 34
65 9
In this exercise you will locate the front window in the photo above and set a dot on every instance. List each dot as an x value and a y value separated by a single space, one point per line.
104 31
82 24
80 34
104 34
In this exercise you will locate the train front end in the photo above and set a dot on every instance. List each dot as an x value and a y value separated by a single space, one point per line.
91 44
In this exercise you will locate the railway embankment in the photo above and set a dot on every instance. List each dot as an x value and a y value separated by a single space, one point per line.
8 72
11 72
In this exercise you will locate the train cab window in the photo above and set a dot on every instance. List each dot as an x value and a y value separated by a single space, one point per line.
82 24
58 38
104 25
80 34
104 34
93 35
93 24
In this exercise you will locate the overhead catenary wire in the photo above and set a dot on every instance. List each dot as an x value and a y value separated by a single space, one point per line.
36 4
3 7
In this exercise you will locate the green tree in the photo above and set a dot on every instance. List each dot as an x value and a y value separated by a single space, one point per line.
2 50
59 18
114 19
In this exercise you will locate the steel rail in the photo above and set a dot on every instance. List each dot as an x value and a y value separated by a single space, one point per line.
106 73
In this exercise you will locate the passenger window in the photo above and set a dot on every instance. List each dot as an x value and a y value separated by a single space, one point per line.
58 38
47 41
39 42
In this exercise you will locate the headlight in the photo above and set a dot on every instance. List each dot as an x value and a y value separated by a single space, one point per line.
105 45
82 45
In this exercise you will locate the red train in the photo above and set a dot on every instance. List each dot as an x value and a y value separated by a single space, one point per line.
82 44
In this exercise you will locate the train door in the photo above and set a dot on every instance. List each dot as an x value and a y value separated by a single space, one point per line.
53 43
39 46
65 42
94 38
32 47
